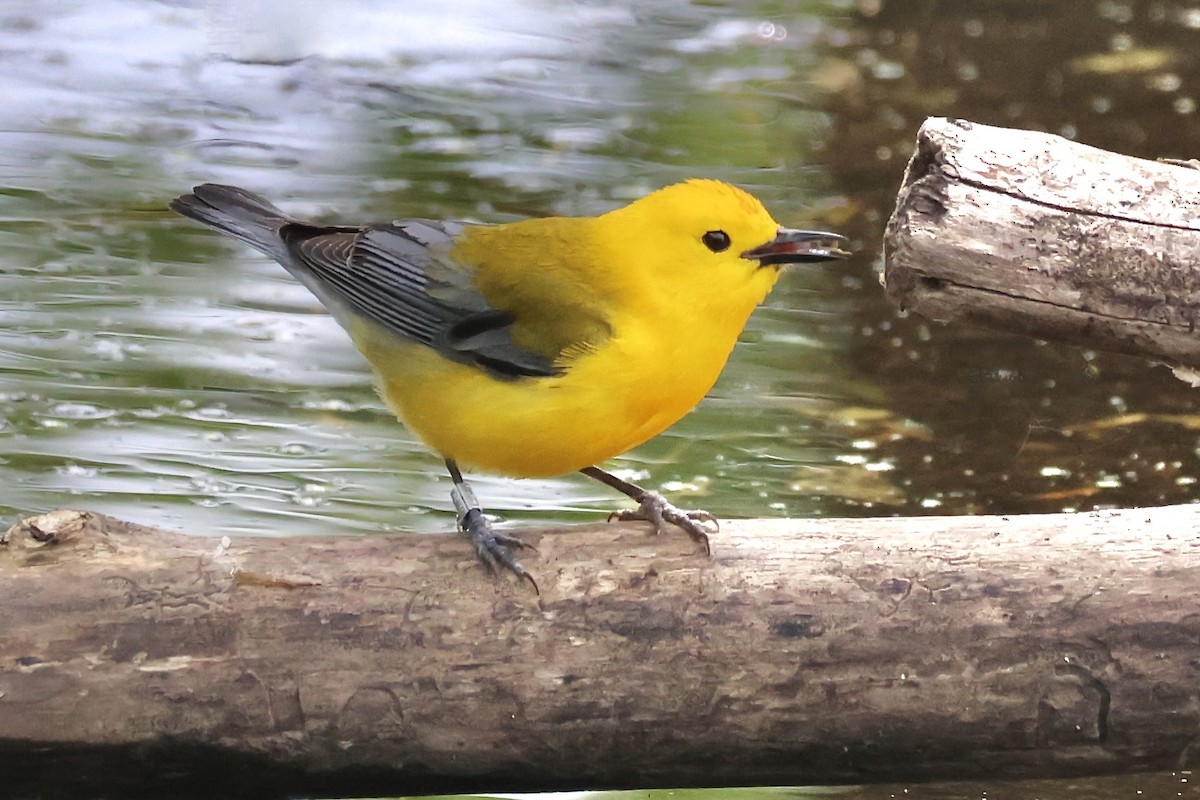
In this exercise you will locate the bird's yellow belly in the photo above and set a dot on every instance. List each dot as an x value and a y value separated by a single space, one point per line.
606 403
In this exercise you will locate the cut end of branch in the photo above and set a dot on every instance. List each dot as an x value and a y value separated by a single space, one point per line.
44 530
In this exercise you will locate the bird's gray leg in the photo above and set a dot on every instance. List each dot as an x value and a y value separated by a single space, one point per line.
492 547
655 509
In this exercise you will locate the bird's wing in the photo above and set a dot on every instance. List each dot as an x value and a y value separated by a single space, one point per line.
401 277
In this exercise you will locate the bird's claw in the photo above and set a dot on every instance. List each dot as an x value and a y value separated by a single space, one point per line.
493 548
654 508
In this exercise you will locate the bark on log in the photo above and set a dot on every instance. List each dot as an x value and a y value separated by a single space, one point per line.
1032 233
136 662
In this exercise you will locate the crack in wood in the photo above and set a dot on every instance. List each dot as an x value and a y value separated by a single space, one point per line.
1066 209
932 285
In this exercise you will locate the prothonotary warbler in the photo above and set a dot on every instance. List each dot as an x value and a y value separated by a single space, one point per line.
540 347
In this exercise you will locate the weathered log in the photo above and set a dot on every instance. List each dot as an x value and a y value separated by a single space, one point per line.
136 662
1032 233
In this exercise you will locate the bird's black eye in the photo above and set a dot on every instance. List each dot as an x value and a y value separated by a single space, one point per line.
717 241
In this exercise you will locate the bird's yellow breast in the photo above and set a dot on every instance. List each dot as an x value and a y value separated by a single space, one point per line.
608 400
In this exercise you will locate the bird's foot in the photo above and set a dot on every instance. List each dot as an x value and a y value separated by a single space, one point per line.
493 548
654 508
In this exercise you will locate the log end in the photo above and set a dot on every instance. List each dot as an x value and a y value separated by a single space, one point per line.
922 196
54 534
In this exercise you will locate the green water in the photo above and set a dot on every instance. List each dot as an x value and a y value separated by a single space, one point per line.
152 370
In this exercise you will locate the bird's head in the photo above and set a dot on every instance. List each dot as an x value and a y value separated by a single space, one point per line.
716 236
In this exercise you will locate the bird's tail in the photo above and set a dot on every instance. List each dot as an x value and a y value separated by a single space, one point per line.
237 212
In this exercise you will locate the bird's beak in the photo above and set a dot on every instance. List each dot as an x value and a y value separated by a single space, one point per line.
797 247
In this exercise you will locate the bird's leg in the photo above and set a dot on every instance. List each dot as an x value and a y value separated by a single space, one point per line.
655 509
492 547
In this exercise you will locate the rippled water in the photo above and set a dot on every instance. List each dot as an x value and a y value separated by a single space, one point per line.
153 370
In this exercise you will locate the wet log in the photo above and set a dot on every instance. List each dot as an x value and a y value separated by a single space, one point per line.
1035 234
137 662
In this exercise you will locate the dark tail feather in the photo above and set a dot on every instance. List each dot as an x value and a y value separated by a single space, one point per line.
237 212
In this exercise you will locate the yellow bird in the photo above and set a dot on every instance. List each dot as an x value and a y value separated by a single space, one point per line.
540 347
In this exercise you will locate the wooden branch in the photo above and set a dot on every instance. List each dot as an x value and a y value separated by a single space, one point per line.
1032 233
137 662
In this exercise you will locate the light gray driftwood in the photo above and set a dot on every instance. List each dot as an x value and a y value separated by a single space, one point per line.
141 663
1032 233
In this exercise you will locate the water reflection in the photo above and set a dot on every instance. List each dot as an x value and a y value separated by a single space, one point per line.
833 404
1016 425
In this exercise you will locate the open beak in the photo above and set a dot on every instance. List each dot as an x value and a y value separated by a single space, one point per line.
798 247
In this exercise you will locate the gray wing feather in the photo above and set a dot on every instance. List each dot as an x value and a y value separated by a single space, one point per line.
400 276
